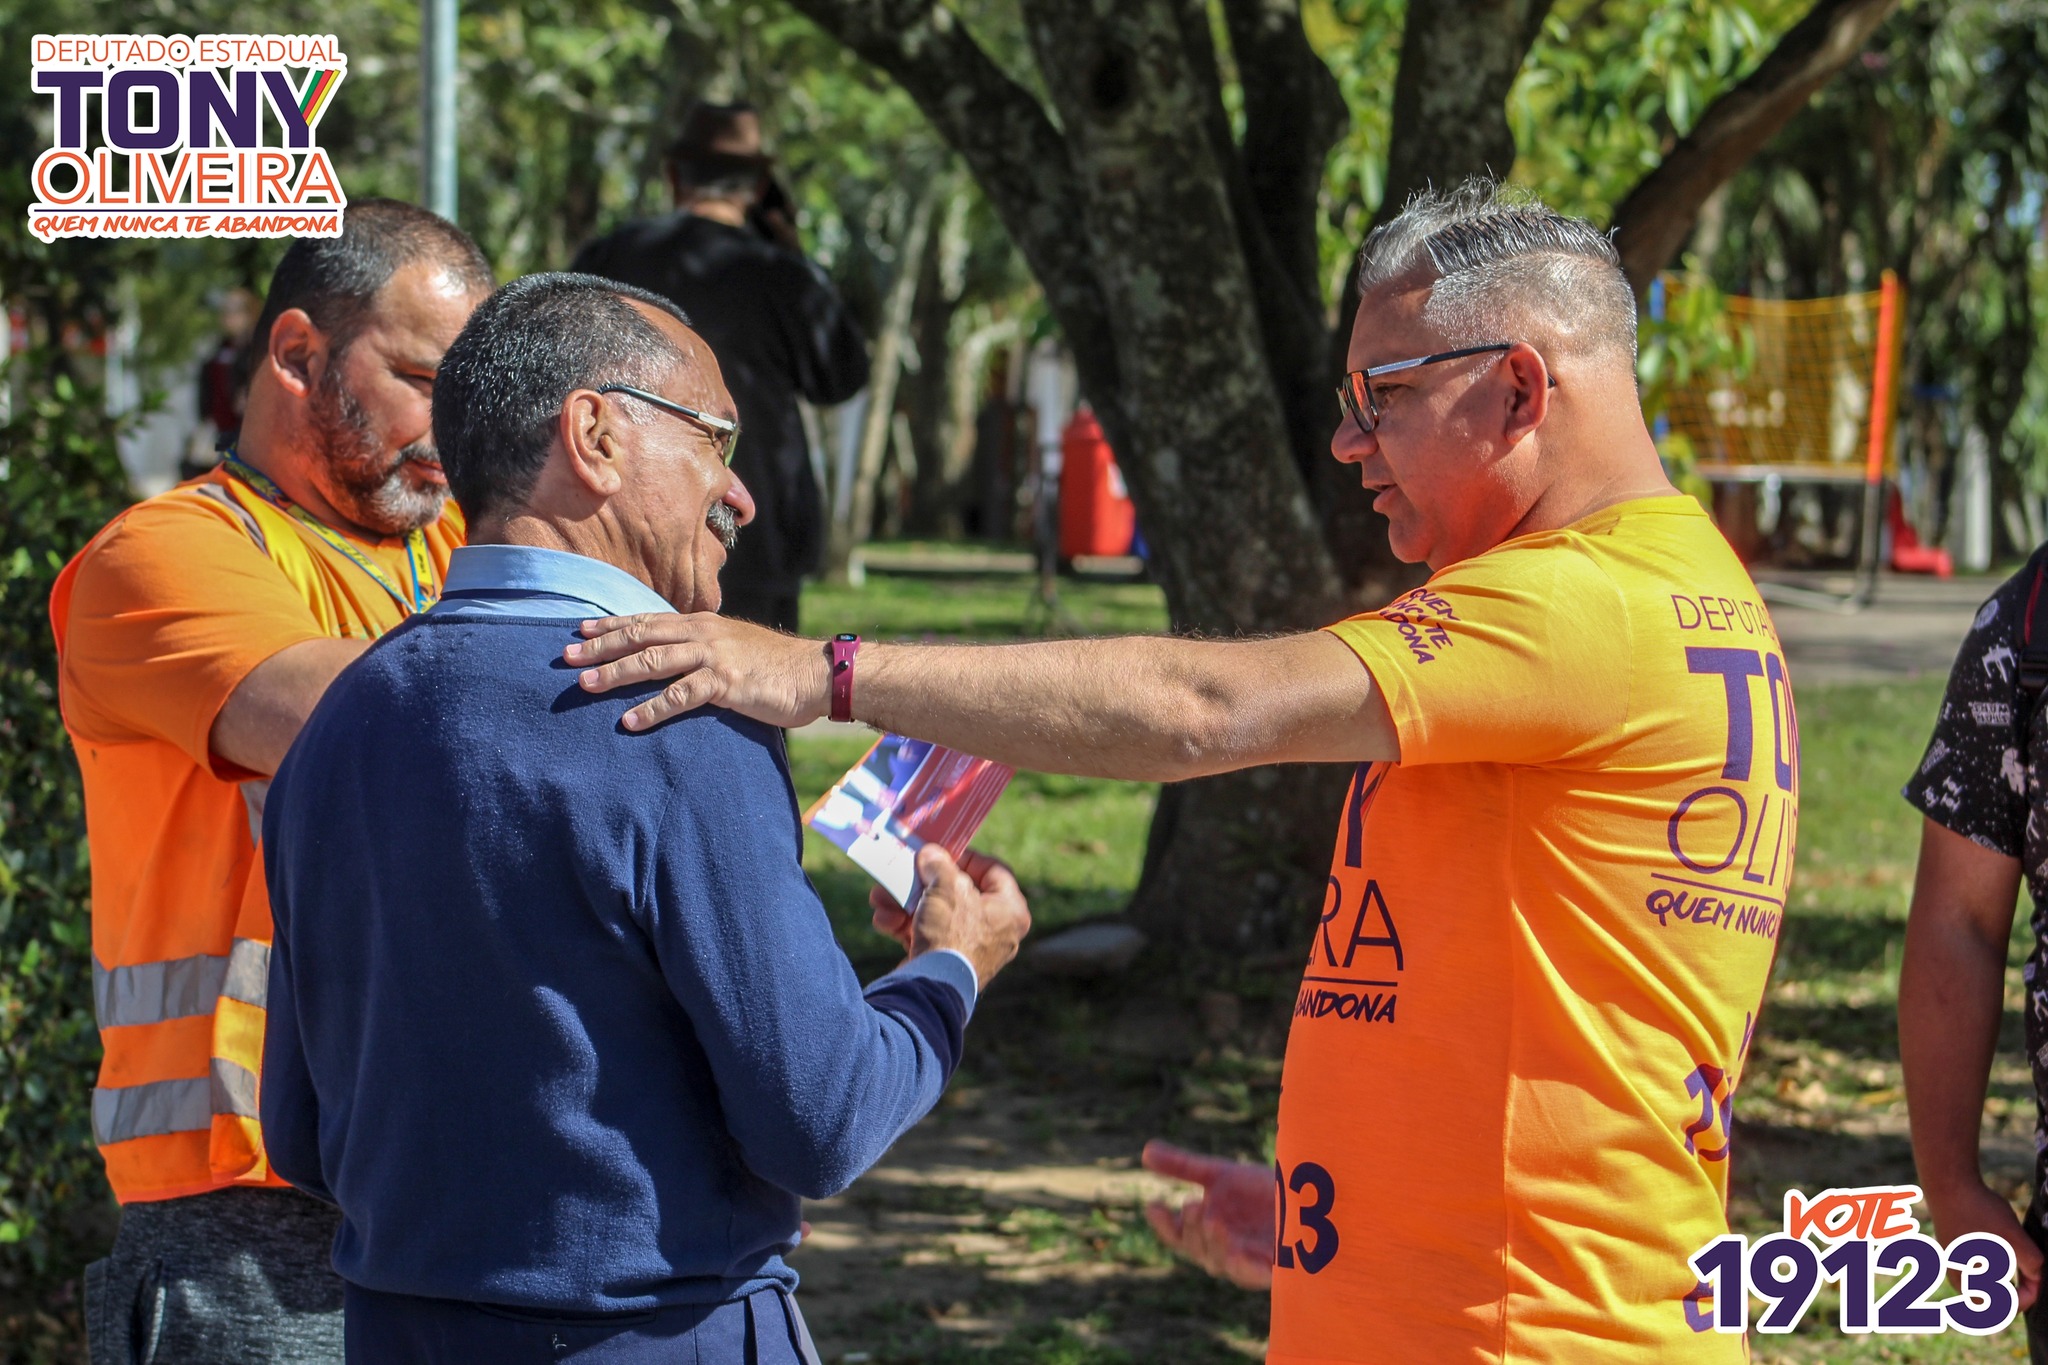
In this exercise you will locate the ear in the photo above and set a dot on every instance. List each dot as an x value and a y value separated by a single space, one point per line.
591 436
1528 392
297 353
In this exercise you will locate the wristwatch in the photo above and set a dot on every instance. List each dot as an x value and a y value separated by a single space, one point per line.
841 650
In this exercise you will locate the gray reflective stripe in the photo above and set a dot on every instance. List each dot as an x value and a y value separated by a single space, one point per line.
151 992
248 978
253 796
213 492
137 1111
233 1089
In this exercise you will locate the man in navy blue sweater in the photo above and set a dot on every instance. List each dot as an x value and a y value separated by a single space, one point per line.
555 1017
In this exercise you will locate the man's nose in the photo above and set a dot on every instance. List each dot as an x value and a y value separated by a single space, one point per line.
1351 445
739 500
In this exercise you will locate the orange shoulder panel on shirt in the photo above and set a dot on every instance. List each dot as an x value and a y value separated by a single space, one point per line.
163 615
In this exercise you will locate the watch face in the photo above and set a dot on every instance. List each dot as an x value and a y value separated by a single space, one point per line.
846 639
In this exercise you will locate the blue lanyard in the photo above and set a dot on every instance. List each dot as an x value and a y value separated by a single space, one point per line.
418 563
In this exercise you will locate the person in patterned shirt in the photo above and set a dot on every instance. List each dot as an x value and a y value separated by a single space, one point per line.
1979 788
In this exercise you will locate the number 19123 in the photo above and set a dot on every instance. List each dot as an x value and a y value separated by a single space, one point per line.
1787 1272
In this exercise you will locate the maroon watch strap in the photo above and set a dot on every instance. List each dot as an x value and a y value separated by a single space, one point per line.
843 648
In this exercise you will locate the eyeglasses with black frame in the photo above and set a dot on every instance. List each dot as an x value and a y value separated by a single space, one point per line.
725 427
1361 402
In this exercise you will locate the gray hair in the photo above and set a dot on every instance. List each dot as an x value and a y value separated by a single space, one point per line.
525 349
1500 263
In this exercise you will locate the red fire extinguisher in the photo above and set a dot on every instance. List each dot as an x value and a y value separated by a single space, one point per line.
1096 515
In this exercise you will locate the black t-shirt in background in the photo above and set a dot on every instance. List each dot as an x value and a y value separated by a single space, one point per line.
780 332
1982 778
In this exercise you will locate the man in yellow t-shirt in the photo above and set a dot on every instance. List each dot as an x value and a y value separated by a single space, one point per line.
1560 871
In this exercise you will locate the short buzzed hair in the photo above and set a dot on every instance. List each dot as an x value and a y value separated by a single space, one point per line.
523 351
1499 261
334 279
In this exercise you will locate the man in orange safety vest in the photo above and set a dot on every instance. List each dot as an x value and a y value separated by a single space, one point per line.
195 632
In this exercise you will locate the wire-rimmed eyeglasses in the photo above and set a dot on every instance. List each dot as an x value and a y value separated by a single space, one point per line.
728 431
1361 401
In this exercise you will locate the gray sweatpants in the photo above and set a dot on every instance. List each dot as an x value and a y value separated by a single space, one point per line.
234 1277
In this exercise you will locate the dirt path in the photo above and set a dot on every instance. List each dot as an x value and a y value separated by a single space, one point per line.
1008 1225
1910 631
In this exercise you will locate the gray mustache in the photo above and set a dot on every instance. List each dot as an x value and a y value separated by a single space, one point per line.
724 523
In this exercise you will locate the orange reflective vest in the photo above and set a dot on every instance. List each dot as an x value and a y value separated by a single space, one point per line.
181 919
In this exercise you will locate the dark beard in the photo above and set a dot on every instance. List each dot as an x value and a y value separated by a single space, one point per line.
365 485
724 523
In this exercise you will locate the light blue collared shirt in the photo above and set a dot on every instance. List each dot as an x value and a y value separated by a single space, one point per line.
526 580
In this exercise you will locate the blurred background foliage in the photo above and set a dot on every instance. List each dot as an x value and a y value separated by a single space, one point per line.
59 482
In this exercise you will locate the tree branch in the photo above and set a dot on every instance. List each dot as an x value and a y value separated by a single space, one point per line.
1459 59
1653 221
1135 89
1015 154
1293 114
1273 187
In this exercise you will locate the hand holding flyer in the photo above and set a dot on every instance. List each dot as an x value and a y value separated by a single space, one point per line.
902 795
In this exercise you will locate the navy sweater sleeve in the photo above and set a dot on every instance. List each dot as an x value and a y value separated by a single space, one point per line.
815 1079
289 1108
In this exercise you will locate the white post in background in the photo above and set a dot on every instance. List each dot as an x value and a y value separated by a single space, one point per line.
437 122
150 442
1049 384
846 422
1970 503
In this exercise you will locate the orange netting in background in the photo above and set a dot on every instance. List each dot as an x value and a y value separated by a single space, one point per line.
1804 408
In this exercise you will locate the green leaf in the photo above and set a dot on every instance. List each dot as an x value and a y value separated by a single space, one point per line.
1678 99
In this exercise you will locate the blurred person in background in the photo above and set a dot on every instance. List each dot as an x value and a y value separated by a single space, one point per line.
223 384
194 634
729 257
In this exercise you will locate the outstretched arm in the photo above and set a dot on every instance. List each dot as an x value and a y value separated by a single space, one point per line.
1144 708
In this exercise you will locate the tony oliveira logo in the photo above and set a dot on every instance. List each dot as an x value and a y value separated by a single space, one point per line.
208 136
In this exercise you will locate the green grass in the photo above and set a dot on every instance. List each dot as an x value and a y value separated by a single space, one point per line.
1076 844
979 607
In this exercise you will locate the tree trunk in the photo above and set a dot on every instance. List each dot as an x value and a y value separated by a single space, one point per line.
939 436
852 532
1459 59
1236 864
1206 444
1653 221
1181 269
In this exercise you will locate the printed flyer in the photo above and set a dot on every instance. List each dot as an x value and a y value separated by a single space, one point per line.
902 795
